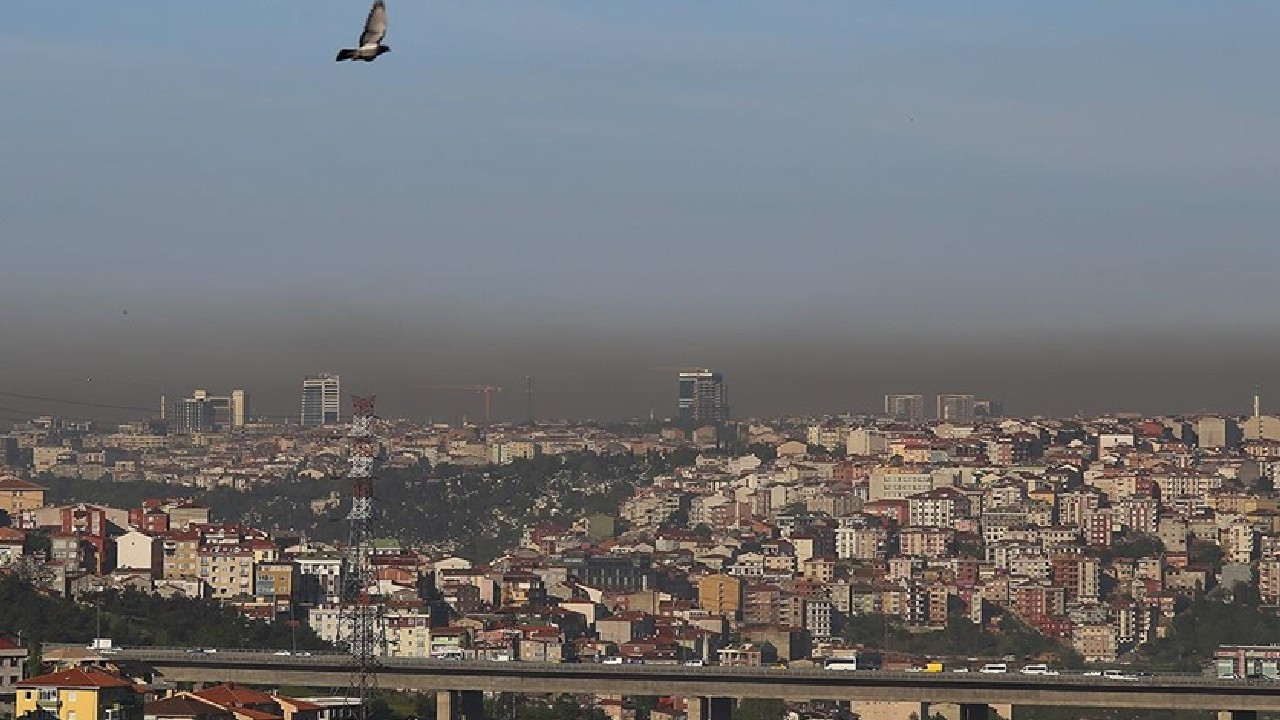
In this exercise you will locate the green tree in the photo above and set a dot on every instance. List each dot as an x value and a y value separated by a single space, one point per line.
477 512
872 630
1137 545
380 709
1205 553
562 707
37 542
759 709
1207 623
134 618
644 705
35 657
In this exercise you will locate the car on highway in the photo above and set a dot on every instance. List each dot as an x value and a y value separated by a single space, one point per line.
1037 669
994 668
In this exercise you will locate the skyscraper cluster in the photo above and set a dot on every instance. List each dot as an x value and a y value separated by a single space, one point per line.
203 412
949 408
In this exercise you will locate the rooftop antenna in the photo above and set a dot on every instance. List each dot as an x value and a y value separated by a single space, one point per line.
1257 413
528 397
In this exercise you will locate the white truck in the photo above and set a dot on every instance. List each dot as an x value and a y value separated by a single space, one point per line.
104 646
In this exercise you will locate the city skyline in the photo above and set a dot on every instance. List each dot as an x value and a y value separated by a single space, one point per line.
800 337
448 408
1070 209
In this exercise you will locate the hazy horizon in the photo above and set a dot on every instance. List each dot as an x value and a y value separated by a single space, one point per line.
1066 208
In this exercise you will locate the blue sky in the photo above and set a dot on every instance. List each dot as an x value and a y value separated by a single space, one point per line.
666 175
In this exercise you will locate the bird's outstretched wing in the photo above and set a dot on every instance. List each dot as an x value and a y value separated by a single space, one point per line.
375 28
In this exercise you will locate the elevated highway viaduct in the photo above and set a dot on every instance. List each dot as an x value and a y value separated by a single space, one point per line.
711 690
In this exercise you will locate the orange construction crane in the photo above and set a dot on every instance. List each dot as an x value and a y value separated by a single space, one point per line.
486 390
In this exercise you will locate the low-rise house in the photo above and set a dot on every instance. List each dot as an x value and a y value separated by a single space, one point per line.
81 693
748 655
184 706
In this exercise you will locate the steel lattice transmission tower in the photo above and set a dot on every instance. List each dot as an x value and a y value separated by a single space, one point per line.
362 630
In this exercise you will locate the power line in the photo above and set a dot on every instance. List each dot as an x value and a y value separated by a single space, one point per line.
81 403
18 414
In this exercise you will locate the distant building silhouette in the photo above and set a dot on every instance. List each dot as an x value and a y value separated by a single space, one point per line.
988 409
956 408
904 407
321 399
203 412
702 396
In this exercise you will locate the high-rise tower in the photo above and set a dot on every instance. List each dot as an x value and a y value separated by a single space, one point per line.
702 396
956 408
321 399
904 407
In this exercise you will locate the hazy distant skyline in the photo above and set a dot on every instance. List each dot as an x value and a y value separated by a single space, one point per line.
1064 207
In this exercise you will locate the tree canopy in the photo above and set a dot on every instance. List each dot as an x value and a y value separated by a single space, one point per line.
134 618
1206 623
475 511
960 638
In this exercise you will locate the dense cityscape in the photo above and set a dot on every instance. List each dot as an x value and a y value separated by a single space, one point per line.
944 541
569 360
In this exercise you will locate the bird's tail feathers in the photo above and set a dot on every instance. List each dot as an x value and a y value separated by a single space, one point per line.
346 54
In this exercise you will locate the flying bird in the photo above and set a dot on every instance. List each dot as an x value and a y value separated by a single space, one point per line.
375 28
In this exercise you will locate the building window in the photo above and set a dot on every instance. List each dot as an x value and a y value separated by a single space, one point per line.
71 696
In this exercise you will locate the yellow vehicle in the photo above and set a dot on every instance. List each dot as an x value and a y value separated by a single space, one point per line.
934 667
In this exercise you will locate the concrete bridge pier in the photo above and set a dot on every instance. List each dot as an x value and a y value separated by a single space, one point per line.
708 708
459 705
1237 715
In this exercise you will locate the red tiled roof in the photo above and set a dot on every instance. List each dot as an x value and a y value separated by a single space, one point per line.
181 706
7 644
229 695
252 714
13 483
77 678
